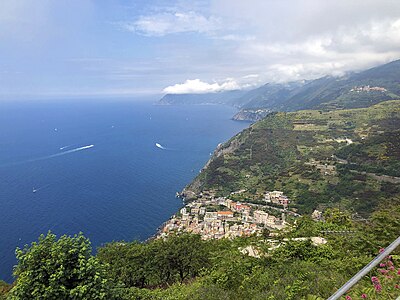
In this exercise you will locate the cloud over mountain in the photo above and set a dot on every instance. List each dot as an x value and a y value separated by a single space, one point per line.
66 47
197 86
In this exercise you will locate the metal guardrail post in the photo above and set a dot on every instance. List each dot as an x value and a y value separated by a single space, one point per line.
340 292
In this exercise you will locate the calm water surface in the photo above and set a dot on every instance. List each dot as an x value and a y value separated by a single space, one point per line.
121 188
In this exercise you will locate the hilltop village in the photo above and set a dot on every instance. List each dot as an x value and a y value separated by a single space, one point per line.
220 217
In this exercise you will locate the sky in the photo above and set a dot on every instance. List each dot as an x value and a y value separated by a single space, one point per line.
94 48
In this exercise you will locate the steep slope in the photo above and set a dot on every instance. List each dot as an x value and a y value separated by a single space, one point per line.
342 157
268 95
351 91
355 90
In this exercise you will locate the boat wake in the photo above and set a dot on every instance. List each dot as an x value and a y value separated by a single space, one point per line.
62 153
65 147
66 152
50 156
160 146
34 190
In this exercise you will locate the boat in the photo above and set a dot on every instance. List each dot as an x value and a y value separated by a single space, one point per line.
34 190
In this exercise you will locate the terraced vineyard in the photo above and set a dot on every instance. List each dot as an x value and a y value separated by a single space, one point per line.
333 158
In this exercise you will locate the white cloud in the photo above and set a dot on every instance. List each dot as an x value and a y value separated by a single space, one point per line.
196 86
330 53
161 24
276 40
235 37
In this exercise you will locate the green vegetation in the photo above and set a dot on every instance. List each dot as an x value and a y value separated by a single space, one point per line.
346 163
161 262
59 269
329 92
4 289
319 159
185 267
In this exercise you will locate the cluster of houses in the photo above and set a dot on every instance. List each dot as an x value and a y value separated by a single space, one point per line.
277 197
220 217
367 88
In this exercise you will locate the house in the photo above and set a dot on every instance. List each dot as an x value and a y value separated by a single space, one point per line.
202 210
185 216
229 203
225 214
260 217
316 215
241 207
283 200
275 194
245 216
210 216
195 210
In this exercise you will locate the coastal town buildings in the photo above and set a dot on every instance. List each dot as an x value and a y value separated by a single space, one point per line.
220 217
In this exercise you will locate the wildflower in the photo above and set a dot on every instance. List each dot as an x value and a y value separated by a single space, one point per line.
396 286
382 265
383 271
375 279
390 263
348 298
398 272
378 287
364 296
381 250
391 268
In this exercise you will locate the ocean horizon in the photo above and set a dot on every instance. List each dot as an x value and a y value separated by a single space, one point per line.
109 169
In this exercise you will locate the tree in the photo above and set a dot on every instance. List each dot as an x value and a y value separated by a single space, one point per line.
127 262
181 256
59 269
4 288
186 254
335 216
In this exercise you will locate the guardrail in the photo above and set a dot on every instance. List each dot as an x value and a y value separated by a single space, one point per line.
340 292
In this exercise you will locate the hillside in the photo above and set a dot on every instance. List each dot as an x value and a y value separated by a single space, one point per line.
351 91
355 90
319 159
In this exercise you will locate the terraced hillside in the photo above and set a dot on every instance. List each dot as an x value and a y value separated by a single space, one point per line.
347 158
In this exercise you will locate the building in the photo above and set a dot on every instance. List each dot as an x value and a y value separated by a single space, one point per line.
225 214
275 194
260 217
241 207
185 216
195 210
316 215
210 216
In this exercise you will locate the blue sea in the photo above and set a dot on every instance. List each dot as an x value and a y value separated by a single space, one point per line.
93 166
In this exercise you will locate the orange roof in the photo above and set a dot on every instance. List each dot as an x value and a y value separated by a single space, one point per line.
227 212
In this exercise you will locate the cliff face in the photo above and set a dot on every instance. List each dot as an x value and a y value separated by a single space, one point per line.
251 115
227 148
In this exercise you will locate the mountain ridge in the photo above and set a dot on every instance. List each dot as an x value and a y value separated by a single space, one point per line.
354 90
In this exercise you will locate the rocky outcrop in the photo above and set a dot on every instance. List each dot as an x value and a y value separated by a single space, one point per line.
251 115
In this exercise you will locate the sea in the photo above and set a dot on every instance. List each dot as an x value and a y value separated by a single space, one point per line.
107 168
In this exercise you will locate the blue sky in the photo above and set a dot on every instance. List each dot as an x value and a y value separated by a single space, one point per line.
116 48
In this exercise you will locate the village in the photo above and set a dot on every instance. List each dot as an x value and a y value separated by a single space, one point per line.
220 217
